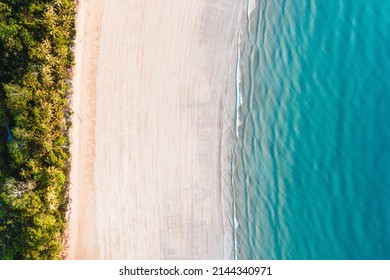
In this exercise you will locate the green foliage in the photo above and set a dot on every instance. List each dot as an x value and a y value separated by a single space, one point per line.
36 40
18 151
17 98
4 120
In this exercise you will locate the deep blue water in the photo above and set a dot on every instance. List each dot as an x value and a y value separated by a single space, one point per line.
313 154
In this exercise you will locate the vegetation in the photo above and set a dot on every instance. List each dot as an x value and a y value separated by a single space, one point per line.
36 40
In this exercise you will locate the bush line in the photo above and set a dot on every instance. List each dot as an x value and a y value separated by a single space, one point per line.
36 59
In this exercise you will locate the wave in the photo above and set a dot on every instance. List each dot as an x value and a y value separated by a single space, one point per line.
233 116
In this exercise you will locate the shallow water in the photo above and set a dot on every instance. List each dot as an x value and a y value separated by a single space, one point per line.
312 170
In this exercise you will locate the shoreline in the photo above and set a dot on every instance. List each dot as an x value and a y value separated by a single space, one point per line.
232 116
163 173
228 138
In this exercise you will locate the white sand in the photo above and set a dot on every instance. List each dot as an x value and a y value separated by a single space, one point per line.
150 82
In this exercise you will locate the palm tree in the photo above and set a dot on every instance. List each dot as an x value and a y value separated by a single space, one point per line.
50 16
16 189
60 4
43 49
47 77
67 20
56 32
52 60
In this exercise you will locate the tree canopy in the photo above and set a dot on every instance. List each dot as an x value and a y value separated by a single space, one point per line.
36 59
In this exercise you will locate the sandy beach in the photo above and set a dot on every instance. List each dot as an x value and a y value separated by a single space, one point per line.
150 84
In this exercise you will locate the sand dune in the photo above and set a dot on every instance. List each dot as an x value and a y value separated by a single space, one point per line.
149 89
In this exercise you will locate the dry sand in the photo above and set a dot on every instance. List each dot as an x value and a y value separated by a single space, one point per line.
149 87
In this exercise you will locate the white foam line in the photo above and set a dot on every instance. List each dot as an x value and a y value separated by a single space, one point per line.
238 85
239 101
251 7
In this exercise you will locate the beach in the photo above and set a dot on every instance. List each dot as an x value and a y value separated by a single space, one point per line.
151 83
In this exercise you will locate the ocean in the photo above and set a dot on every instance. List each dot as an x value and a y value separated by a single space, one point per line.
312 152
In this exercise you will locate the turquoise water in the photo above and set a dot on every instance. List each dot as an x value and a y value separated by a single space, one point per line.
312 157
